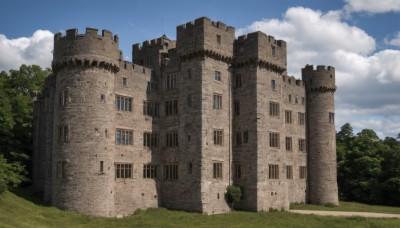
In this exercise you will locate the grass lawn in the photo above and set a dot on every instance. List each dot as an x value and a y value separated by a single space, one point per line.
348 206
26 211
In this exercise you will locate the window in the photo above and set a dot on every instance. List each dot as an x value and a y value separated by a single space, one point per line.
217 75
123 170
102 98
238 138
245 137
303 172
63 133
190 168
236 106
124 81
151 87
150 140
303 100
61 165
302 145
171 139
332 117
238 81
150 108
150 171
217 101
290 98
288 116
217 170
274 140
189 73
171 172
288 142
218 39
301 118
64 96
189 138
273 171
101 167
218 137
170 82
273 50
273 85
171 107
289 172
124 137
273 109
189 100
123 103
237 170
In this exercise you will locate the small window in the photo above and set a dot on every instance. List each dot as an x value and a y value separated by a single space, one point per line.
217 101
150 171
150 109
151 87
189 138
288 142
289 172
303 172
217 75
218 39
64 96
171 139
303 100
63 134
218 137
189 100
61 166
274 109
236 106
274 140
123 103
125 81
171 172
238 138
273 171
123 171
217 170
171 107
331 117
238 81
150 140
273 85
288 116
102 98
302 119
245 137
124 137
237 170
101 166
290 98
273 50
190 168
302 145
189 73
170 82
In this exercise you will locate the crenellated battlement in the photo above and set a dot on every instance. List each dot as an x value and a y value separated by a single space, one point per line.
205 21
321 79
260 35
89 33
292 81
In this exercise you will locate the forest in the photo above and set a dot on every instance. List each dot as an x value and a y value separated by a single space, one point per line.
368 167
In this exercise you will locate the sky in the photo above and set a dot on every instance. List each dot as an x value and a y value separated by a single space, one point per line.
360 38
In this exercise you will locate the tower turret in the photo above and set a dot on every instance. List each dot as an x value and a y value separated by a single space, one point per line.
321 134
84 123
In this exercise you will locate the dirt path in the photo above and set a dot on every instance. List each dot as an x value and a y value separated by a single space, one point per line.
346 213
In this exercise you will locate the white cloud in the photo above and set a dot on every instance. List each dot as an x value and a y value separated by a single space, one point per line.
26 50
372 6
367 80
394 41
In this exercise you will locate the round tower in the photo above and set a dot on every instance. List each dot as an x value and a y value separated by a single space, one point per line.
83 155
321 134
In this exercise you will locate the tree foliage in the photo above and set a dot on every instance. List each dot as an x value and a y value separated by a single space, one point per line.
368 167
233 195
16 106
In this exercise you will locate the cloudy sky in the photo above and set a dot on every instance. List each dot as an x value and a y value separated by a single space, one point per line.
360 38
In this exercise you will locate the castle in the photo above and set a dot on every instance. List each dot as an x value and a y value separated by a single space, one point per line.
183 121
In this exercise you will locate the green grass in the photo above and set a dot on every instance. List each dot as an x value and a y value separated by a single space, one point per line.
348 206
26 211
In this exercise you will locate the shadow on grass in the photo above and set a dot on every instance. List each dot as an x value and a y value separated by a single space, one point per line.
31 194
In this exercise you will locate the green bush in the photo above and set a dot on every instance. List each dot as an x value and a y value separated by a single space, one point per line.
233 195
11 174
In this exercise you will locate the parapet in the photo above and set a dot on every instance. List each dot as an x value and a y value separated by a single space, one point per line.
321 79
90 32
205 21
261 35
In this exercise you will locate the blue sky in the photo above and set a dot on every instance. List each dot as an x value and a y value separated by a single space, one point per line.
360 38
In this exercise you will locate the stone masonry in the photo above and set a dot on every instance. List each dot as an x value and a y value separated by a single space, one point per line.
183 121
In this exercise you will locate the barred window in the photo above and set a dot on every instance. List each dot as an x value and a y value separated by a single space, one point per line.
288 116
171 139
288 142
236 106
302 145
332 117
237 170
123 103
64 96
123 170
217 170
171 107
124 81
273 171
150 171
217 101
171 172
151 87
218 137
124 137
170 82
238 81
274 139
273 85
150 140
273 109
301 118
303 172
151 108
61 174
289 172
217 75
